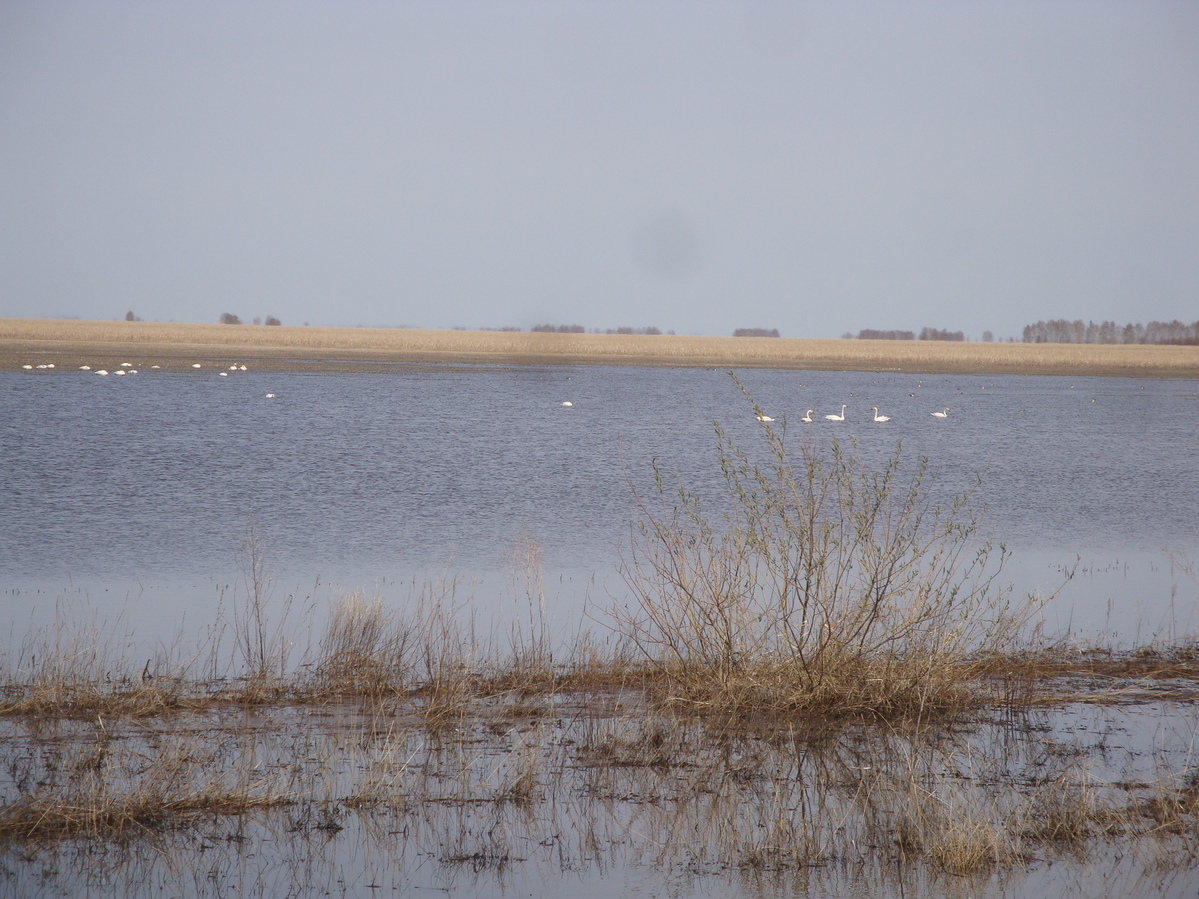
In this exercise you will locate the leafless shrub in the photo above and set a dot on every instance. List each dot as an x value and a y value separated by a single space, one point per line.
829 587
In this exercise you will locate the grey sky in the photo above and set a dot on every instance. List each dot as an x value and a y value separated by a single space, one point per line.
812 167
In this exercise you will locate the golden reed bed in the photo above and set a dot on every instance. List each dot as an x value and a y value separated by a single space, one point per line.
70 343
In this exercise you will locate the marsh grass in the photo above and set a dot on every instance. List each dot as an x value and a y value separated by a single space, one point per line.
365 652
493 776
99 789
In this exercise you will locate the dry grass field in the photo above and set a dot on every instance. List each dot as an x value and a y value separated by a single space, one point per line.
69 344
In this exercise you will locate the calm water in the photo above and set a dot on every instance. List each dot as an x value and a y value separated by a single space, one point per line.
131 496
125 504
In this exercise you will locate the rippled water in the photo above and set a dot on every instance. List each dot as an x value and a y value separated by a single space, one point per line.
125 503
133 494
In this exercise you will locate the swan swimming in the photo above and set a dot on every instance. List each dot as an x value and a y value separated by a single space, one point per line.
840 417
878 417
808 417
944 414
765 418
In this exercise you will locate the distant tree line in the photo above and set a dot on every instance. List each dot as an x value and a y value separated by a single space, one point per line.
756 332
228 318
934 334
579 329
1062 331
925 334
872 334
627 330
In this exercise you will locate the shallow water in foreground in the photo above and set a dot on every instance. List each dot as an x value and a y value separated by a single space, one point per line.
533 798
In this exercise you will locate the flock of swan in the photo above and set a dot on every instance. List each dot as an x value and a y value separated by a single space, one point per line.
833 416
126 368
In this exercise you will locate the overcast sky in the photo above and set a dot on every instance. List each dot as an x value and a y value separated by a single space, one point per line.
694 166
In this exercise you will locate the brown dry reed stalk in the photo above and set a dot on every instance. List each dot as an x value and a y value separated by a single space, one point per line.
449 659
261 629
530 665
141 801
365 651
828 588
69 673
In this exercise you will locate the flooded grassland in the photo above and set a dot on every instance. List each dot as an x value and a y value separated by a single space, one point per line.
406 755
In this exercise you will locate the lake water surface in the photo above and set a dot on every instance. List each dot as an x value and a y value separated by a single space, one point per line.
130 497
125 505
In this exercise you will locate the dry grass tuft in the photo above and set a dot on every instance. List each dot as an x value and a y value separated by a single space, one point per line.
365 651
1063 810
177 786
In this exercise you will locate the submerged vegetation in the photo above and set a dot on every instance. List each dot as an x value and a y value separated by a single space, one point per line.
823 683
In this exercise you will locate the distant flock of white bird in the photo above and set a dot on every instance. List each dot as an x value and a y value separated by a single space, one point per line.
126 368
833 416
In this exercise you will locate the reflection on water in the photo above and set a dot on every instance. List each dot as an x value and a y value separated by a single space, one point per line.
521 796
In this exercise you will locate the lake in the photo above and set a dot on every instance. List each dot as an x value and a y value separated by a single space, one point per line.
128 502
130 497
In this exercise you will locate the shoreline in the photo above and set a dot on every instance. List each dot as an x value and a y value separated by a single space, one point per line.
69 344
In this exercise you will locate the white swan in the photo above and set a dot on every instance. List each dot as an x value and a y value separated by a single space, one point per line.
808 417
840 417
944 414
878 417
765 418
